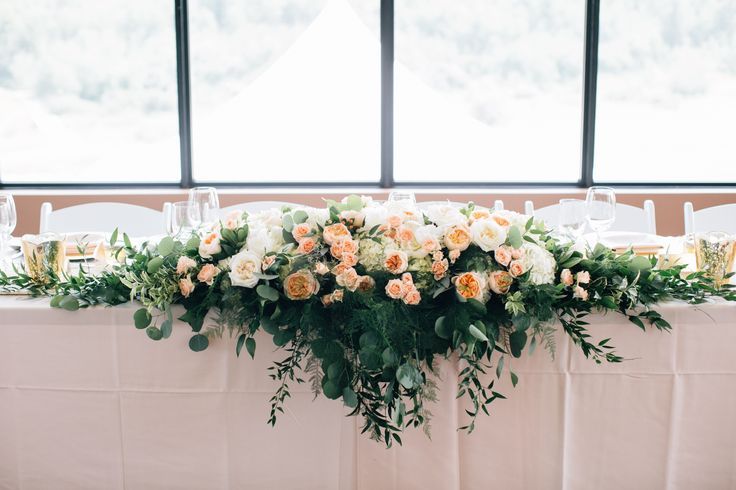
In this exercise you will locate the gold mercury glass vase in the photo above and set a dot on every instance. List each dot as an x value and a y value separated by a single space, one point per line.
714 254
43 253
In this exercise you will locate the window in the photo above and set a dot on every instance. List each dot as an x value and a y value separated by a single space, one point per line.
488 90
88 91
284 91
367 92
666 91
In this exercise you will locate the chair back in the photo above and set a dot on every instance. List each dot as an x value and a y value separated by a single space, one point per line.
716 218
136 221
255 206
628 218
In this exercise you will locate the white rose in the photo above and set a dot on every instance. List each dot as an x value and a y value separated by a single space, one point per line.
374 215
487 234
243 269
317 216
268 218
209 245
259 241
445 215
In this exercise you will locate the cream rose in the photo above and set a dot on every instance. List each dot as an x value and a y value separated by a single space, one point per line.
566 277
186 286
209 245
335 232
348 278
349 259
243 269
306 246
207 274
396 261
184 265
500 282
503 255
439 269
395 289
488 234
470 285
516 268
321 269
300 231
412 296
353 218
300 285
580 292
583 277
458 237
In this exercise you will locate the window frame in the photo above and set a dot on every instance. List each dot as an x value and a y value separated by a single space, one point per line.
387 180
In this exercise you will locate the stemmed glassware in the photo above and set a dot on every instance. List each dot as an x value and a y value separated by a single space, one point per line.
572 218
8 220
601 204
395 196
185 219
205 198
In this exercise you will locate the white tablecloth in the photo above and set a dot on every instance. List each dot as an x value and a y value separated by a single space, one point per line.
88 401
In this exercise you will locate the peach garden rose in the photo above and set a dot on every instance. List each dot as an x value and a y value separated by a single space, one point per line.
300 285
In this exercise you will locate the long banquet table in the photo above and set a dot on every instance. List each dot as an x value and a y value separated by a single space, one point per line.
88 401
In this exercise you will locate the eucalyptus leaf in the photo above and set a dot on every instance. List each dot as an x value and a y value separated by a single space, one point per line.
267 292
142 318
300 216
349 397
114 237
166 328
154 333
69 303
442 328
198 342
514 237
154 265
165 246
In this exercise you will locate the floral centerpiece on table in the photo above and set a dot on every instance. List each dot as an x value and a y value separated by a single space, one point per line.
364 296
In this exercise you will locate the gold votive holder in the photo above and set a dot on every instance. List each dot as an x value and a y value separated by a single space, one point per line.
714 254
43 254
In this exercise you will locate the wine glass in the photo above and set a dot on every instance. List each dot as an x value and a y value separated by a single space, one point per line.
185 218
207 201
572 218
396 196
601 204
8 219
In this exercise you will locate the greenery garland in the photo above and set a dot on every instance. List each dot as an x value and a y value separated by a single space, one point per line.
363 297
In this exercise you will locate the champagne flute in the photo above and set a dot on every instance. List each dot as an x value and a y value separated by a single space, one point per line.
184 220
601 204
572 218
207 201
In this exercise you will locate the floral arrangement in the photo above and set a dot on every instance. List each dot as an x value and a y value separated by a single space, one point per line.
364 296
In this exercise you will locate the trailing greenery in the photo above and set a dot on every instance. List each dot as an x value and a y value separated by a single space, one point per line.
336 317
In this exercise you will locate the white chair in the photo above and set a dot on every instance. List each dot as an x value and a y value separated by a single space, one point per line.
136 221
628 218
255 206
716 218
424 205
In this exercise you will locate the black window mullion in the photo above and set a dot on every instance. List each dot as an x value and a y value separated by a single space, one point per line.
181 18
387 93
590 79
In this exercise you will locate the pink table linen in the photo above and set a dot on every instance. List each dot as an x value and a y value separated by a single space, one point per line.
88 401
